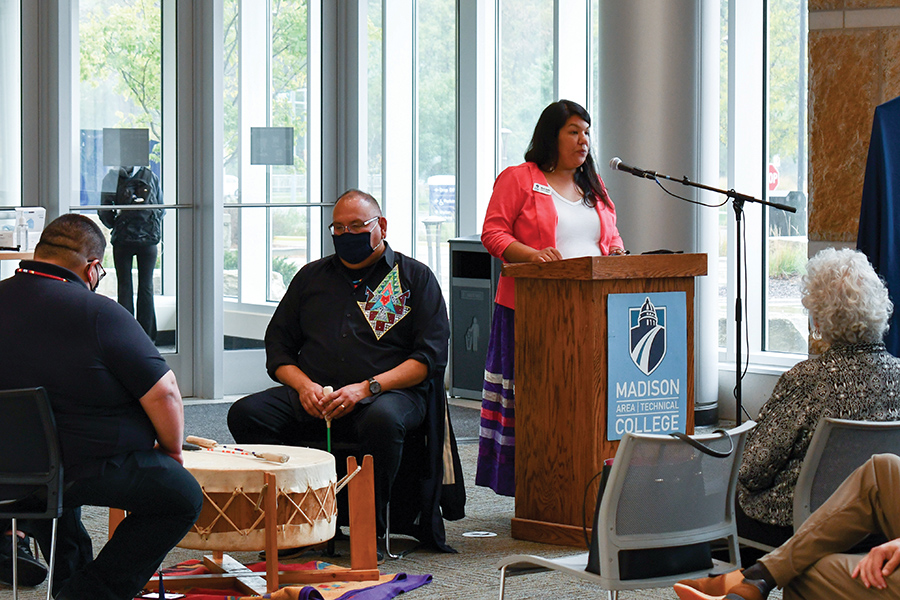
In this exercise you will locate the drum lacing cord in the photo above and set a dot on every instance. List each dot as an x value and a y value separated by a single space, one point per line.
204 532
346 479
321 501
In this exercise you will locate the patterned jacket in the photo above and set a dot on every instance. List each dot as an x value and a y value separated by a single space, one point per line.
859 382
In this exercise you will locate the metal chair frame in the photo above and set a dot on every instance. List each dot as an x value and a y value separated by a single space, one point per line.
30 403
608 542
829 462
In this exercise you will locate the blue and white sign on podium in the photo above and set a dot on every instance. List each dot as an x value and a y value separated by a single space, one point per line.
647 363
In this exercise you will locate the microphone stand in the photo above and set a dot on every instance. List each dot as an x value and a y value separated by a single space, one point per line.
737 202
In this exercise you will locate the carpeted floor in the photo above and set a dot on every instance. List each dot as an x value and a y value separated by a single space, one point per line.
469 574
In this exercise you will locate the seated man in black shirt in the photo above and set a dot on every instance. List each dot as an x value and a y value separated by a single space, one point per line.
118 413
368 321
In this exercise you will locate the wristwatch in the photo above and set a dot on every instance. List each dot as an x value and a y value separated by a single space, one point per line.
374 386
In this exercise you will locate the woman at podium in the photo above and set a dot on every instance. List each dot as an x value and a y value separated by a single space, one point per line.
552 206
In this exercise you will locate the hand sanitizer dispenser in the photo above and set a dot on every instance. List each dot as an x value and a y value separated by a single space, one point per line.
21 232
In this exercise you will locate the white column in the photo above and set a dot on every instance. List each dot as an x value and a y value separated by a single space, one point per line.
706 327
352 96
50 72
200 140
652 96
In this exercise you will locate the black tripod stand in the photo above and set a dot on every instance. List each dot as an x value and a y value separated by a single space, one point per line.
737 202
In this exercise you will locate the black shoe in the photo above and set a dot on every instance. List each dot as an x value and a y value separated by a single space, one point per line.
31 571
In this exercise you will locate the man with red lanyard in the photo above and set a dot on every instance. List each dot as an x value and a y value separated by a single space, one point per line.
118 412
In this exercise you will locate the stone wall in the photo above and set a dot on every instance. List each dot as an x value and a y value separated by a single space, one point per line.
854 65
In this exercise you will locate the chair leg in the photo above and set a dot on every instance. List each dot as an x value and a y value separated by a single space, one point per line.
387 533
387 536
15 560
52 560
502 581
612 594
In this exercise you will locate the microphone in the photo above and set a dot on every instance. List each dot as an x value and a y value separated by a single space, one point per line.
616 164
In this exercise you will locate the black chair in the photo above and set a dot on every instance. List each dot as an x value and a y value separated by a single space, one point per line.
31 474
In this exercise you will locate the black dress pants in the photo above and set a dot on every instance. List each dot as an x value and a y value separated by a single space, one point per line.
275 416
123 256
163 500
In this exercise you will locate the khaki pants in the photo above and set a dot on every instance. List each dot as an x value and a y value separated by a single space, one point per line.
809 566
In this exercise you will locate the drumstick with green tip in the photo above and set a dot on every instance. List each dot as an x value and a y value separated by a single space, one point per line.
327 390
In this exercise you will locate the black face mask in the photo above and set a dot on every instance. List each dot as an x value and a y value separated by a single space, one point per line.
353 247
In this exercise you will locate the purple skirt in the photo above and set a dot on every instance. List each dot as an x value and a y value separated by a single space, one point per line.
497 438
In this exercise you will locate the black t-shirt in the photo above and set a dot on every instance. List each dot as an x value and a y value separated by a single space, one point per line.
92 357
342 326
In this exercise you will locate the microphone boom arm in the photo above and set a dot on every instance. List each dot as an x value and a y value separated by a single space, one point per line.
738 204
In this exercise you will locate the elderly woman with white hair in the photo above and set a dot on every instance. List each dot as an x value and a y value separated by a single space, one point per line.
855 378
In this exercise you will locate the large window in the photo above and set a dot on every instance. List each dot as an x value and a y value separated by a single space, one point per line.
435 203
126 157
786 34
374 98
272 222
772 124
10 104
525 73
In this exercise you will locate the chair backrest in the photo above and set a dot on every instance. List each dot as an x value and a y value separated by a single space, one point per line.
837 448
663 493
30 460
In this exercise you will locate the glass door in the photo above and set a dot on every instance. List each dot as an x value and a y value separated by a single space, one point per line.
125 130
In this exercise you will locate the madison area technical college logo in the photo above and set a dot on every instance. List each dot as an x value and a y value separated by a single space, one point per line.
647 341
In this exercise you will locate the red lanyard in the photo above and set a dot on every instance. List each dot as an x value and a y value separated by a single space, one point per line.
39 274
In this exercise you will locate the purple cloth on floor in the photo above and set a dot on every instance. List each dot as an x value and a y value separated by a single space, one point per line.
496 444
310 593
396 586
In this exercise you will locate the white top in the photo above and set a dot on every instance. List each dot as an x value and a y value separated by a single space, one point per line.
577 229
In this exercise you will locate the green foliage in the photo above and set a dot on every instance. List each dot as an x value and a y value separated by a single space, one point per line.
436 87
375 90
289 76
231 85
123 43
526 70
784 68
786 259
230 260
289 222
281 264
290 73
784 77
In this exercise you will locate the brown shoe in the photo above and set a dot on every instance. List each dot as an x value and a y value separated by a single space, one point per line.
745 591
709 587
741 591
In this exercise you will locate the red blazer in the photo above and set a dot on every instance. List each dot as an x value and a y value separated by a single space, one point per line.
519 213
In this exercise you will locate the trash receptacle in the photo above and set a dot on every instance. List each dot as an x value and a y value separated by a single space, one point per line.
473 284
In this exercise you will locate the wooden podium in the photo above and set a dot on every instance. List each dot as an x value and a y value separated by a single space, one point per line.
561 381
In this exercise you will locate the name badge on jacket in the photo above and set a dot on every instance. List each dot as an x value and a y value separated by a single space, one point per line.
541 189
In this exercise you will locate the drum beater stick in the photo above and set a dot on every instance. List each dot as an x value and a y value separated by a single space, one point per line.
328 389
214 446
